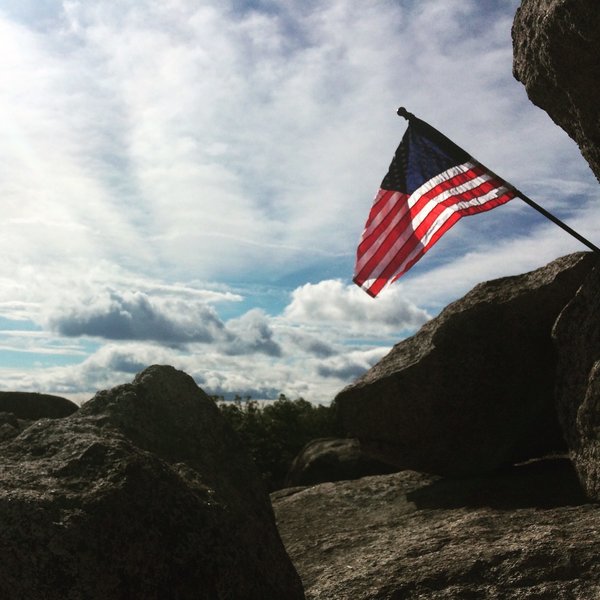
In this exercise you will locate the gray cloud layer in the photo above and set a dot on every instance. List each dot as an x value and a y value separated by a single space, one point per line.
134 316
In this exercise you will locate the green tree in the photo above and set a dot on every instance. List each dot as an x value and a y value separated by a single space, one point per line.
275 433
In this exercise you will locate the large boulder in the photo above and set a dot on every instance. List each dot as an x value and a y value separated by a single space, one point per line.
556 45
523 534
473 390
144 493
333 459
577 337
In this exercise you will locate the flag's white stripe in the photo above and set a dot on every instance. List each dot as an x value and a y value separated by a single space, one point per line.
425 239
446 194
422 214
367 283
459 206
443 176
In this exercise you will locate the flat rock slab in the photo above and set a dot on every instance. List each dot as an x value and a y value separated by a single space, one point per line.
524 534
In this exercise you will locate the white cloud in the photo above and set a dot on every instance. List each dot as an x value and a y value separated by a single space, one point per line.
158 132
312 343
251 333
352 365
350 309
166 166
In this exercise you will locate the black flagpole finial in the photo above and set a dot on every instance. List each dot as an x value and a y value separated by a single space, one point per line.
402 112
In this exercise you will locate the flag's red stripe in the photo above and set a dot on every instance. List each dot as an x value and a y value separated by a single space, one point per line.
413 211
478 192
372 233
390 274
401 228
421 231
382 243
456 216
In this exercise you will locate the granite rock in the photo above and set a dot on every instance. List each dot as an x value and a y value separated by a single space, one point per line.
556 45
577 338
144 493
473 389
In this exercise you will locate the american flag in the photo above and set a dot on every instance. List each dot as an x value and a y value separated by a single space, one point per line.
429 186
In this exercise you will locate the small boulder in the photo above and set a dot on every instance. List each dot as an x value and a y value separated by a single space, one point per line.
145 493
333 459
577 338
473 390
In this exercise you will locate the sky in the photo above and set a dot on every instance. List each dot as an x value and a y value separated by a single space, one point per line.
185 182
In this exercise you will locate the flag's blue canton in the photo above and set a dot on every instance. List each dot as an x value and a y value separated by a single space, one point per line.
421 155
425 160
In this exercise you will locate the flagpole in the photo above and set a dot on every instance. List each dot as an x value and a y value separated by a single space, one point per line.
402 112
557 221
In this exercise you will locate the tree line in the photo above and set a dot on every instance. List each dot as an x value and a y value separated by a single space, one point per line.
275 432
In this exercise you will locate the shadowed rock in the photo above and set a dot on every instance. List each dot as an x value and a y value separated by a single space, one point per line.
474 389
333 459
556 45
19 409
32 406
577 338
144 493
10 426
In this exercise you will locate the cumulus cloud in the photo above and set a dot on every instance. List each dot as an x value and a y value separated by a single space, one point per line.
352 365
311 343
131 316
349 307
251 333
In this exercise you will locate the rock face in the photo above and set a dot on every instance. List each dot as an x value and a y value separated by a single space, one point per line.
144 493
577 337
556 44
525 534
473 389
333 459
